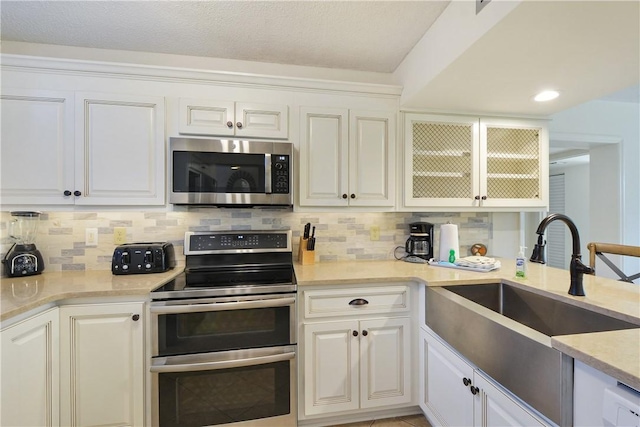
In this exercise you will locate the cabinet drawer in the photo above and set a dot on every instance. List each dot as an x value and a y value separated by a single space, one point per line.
344 302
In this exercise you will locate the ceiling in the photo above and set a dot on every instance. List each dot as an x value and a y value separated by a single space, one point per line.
357 35
585 49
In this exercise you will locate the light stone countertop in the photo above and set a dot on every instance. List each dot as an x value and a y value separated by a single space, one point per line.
616 353
22 294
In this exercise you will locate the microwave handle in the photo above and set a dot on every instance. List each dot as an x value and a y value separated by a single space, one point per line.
198 308
224 364
267 173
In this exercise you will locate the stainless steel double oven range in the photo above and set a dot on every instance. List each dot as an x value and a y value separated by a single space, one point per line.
224 333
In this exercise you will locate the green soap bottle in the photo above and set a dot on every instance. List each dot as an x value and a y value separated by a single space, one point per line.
521 264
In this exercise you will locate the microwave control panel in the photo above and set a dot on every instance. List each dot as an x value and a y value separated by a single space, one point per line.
280 171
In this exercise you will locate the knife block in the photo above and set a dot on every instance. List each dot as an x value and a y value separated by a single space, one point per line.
305 256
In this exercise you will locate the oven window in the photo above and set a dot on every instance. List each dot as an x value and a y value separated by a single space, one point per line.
200 172
224 396
210 331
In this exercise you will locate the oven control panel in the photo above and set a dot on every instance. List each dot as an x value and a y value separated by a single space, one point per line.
254 241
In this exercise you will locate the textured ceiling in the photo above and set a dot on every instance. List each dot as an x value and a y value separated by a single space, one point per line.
356 35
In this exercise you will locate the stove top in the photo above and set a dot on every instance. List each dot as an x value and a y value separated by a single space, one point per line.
224 263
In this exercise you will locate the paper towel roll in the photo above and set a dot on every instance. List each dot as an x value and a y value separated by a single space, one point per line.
449 241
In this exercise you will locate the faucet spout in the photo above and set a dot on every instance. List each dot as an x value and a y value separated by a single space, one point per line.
576 268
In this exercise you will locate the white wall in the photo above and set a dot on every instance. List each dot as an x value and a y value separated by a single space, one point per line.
609 119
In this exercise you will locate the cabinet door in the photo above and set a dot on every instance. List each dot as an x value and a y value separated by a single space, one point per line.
37 147
30 372
262 120
102 381
444 396
324 157
514 163
497 409
385 362
120 149
441 161
331 382
206 117
371 158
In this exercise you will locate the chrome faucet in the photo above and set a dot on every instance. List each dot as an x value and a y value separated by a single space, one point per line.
576 268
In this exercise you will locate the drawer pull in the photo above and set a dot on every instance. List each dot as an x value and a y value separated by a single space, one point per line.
358 301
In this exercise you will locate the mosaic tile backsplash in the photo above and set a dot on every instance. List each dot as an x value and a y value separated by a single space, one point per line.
339 236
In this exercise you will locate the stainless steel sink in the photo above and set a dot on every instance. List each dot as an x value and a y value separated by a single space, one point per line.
506 332
544 314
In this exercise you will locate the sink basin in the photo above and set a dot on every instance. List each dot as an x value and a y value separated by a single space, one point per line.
506 332
544 314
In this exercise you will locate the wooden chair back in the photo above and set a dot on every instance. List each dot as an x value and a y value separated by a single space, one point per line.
600 249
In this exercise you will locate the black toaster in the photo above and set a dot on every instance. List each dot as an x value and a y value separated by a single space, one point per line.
139 258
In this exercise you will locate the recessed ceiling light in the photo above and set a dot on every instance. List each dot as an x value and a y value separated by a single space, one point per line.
546 95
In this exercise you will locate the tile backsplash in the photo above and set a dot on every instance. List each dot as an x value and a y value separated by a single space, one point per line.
339 236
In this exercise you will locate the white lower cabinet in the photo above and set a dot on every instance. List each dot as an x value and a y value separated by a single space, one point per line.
102 379
356 364
30 374
454 393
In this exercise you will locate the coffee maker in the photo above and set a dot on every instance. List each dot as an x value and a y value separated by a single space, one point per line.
23 259
420 242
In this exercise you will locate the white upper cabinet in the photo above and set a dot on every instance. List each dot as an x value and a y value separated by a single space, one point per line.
37 146
227 118
347 157
62 148
471 162
120 149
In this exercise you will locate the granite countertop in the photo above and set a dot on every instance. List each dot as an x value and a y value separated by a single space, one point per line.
616 353
21 294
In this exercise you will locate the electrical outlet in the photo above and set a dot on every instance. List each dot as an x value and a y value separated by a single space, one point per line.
91 237
119 235
374 232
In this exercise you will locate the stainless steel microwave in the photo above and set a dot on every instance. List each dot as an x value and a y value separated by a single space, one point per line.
230 172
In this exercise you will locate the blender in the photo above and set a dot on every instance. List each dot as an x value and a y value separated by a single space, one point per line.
23 259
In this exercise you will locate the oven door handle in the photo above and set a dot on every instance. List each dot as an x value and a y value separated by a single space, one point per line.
197 308
224 364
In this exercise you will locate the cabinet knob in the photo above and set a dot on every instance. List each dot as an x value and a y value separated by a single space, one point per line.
477 197
466 381
229 124
353 196
474 390
239 125
67 193
344 196
354 333
77 193
358 301
135 317
484 197
365 333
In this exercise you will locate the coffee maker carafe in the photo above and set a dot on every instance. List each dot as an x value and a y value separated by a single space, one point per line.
420 242
23 259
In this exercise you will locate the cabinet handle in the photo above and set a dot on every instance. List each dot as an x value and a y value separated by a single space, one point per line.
358 301
67 193
135 317
365 333
239 125
353 196
484 197
474 390
77 193
229 124
466 381
344 196
477 197
354 333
